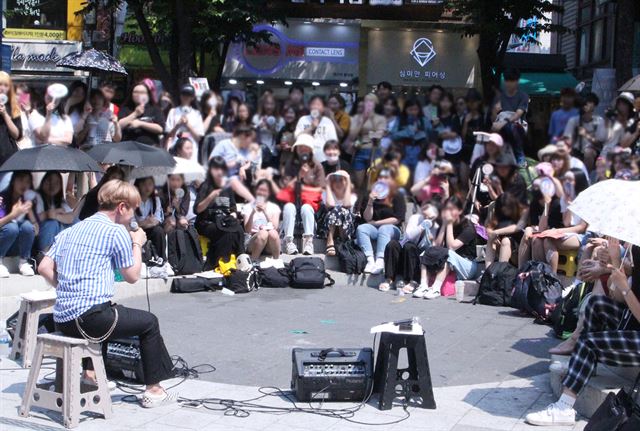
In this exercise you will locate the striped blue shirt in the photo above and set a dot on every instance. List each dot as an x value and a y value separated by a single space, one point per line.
86 255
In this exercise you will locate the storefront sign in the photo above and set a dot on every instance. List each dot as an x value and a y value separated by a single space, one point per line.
35 19
300 51
418 58
32 33
40 56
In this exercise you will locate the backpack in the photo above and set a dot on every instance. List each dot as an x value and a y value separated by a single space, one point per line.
275 277
537 291
309 273
243 281
565 316
496 285
184 252
352 258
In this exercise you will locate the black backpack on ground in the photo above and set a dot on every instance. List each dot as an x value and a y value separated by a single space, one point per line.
184 252
565 316
195 284
309 273
352 258
537 291
243 281
275 277
496 285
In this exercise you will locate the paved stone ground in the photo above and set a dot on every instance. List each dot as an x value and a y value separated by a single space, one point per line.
488 364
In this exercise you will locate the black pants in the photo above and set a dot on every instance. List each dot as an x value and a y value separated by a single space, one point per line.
159 240
402 263
96 321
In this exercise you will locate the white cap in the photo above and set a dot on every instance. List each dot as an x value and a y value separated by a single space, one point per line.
305 140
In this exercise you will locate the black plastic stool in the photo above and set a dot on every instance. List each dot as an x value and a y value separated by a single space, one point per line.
387 375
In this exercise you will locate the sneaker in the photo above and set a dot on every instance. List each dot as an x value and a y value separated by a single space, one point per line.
431 294
4 271
150 401
307 245
379 266
421 291
371 265
170 271
290 246
27 270
553 415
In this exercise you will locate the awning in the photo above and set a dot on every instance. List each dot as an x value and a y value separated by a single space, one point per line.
546 83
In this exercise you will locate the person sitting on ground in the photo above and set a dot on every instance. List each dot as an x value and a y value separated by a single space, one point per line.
611 335
236 152
504 231
402 258
506 179
89 204
384 214
333 162
261 222
185 121
216 219
426 162
545 212
318 125
458 235
367 128
434 185
81 264
412 128
303 179
391 161
587 131
339 201
54 213
336 113
177 210
18 226
285 139
150 215
140 117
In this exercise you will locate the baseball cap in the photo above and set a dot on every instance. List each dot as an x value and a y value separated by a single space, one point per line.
188 89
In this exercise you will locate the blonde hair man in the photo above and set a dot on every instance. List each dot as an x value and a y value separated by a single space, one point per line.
81 264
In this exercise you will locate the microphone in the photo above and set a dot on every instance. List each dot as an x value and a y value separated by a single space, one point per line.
133 226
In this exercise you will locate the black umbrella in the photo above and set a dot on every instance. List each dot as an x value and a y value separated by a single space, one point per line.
44 158
131 153
92 60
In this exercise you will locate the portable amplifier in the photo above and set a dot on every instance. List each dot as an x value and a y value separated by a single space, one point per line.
332 374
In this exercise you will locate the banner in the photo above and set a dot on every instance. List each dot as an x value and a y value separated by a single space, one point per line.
40 56
315 51
200 84
421 58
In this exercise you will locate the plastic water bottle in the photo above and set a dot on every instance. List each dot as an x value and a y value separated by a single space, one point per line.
4 340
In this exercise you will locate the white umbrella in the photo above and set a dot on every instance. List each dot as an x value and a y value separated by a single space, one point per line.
631 85
611 208
191 170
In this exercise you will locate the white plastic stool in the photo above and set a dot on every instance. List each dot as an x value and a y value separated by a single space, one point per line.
33 304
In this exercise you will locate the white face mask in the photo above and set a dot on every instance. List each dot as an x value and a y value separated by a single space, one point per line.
332 160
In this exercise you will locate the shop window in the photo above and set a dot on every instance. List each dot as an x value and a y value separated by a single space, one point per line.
36 14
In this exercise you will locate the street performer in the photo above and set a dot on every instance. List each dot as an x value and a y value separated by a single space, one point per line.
81 264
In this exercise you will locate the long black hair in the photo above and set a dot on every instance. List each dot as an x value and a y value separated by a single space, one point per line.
404 117
7 195
78 107
58 198
154 194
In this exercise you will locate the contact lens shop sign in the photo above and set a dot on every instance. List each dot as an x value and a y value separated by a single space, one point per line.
301 50
418 58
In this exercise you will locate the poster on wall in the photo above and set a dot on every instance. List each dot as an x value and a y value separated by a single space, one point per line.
300 51
421 58
35 19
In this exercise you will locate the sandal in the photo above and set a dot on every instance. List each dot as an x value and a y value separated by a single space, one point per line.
331 250
384 286
410 288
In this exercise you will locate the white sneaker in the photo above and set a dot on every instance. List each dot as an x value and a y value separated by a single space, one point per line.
431 294
421 291
170 271
371 266
553 415
4 271
378 267
27 270
290 246
307 245
150 401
